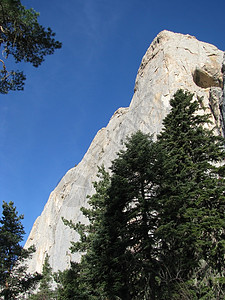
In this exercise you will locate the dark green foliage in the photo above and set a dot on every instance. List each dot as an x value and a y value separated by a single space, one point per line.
93 213
13 277
130 220
45 282
91 277
191 198
22 37
45 291
11 234
119 260
157 226
70 284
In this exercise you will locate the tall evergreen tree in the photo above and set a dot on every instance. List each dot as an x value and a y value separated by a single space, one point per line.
45 291
70 284
88 281
120 259
13 277
131 219
157 228
191 198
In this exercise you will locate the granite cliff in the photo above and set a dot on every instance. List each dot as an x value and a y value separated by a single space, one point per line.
173 61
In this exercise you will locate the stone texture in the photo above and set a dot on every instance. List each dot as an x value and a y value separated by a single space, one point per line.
222 100
173 61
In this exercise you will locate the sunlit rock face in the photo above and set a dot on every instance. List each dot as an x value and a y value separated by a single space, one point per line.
173 61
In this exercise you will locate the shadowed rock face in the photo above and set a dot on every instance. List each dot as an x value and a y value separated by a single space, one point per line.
206 80
222 99
173 61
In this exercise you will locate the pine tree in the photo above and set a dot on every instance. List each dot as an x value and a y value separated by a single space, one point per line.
94 212
157 228
120 260
45 291
70 285
13 277
88 282
192 202
120 256
131 219
23 38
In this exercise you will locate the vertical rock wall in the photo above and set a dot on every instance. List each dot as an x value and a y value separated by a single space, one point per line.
173 61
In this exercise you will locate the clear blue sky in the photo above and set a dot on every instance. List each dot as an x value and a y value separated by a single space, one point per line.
46 129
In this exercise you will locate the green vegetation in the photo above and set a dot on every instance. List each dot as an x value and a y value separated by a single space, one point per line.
156 224
23 38
14 280
70 284
192 203
45 288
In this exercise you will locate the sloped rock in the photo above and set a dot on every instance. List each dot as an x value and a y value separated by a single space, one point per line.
173 61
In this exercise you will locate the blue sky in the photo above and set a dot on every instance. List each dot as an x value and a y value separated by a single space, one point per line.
46 129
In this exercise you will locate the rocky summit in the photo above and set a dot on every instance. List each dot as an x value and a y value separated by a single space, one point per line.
173 61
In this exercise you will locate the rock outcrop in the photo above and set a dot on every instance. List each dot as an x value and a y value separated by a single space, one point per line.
222 99
173 61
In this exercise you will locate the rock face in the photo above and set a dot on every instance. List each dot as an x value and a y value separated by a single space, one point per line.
222 101
173 61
